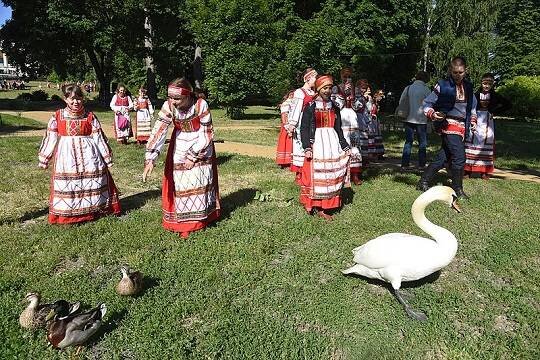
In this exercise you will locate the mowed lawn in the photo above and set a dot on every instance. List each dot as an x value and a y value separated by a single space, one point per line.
264 282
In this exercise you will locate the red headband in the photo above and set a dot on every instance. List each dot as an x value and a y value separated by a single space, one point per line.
323 81
310 74
174 91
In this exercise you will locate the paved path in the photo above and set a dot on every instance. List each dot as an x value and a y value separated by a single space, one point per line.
267 151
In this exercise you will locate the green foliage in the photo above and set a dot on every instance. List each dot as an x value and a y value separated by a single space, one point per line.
524 93
463 28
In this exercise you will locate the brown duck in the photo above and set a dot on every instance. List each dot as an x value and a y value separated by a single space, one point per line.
131 282
35 314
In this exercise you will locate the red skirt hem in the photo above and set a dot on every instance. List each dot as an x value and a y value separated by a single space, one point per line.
479 168
190 226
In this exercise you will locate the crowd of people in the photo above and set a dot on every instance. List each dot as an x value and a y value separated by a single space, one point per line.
12 85
329 133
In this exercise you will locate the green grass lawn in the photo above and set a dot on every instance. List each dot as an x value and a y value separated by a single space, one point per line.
264 282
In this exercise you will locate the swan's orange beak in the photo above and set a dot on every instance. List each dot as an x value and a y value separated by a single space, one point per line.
455 206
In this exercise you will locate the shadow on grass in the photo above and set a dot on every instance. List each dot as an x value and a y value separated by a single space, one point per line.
148 283
112 322
222 159
236 200
8 129
136 201
31 215
347 195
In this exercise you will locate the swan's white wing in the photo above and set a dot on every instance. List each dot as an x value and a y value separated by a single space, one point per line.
393 249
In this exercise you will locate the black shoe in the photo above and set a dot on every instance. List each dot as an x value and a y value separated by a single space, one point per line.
457 183
461 194
422 186
429 173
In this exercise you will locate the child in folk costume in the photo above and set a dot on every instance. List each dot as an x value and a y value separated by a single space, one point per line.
82 188
121 104
375 126
362 106
343 96
479 149
190 194
145 111
285 143
301 98
326 152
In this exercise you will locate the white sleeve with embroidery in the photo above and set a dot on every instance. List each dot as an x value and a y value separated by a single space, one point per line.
48 145
205 133
159 133
296 109
101 141
150 107
113 106
430 101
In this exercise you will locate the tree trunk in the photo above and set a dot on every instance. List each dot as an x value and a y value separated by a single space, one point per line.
101 75
149 61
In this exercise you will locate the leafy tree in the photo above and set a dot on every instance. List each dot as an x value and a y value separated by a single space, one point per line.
237 38
518 51
464 28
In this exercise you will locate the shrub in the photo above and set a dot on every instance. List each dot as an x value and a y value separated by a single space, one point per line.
39 95
56 98
24 96
524 93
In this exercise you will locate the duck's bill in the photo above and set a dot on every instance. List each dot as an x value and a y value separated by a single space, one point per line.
50 315
455 206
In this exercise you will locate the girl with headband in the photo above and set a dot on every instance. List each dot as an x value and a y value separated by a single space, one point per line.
82 188
301 98
326 152
190 194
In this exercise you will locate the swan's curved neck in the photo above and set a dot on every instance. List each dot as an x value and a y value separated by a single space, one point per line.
445 239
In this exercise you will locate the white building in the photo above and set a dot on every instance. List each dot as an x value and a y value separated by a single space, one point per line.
8 71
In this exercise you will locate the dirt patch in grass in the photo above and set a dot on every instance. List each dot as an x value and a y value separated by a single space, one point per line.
505 325
67 265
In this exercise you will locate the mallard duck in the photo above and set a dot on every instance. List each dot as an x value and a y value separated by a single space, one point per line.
35 314
401 257
75 329
131 282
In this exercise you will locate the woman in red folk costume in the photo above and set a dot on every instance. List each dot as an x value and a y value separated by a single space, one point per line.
301 98
121 104
284 145
343 96
480 147
190 194
143 120
326 152
375 126
82 188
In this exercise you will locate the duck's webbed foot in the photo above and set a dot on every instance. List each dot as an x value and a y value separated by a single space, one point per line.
415 314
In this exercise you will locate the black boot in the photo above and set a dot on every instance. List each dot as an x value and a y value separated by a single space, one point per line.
429 173
457 183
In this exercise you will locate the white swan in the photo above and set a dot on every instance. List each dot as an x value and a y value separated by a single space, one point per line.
397 257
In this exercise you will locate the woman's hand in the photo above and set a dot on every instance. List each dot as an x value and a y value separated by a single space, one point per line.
438 116
147 170
188 164
308 154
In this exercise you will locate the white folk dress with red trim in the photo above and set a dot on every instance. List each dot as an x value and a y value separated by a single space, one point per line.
301 99
350 126
121 106
363 111
324 175
480 149
190 197
82 188
143 123
285 142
